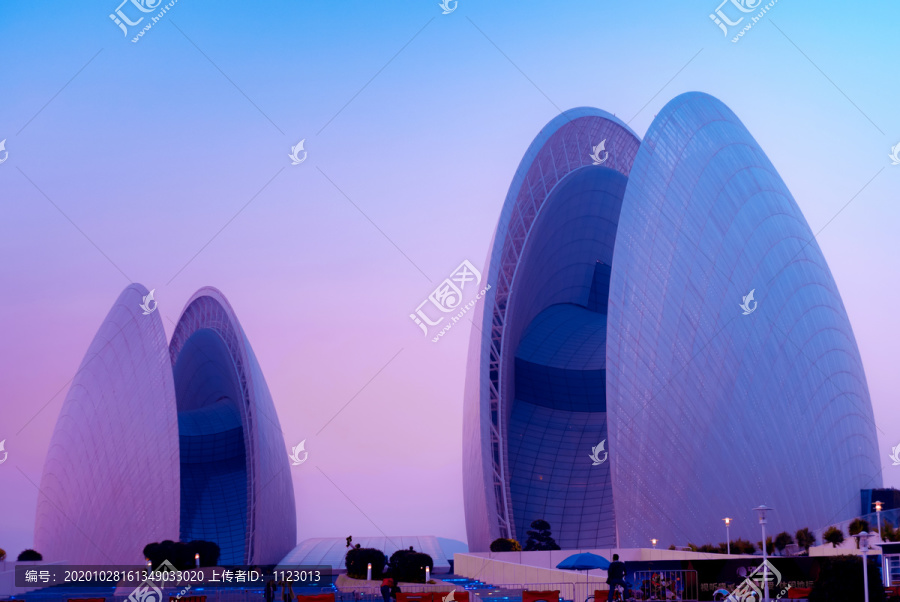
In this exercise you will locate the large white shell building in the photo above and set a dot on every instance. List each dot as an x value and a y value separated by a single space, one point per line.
157 441
662 345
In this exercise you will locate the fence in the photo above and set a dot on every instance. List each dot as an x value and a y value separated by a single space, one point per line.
666 585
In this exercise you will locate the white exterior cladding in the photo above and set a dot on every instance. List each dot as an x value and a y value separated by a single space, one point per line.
709 412
110 481
112 477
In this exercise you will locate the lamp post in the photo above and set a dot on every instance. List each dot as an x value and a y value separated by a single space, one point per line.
761 512
863 539
653 541
728 533
878 506
197 560
369 572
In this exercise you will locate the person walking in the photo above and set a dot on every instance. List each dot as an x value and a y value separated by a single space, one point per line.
615 576
287 591
387 586
271 589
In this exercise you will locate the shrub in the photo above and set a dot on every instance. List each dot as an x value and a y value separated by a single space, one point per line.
840 579
742 546
502 544
208 550
708 548
29 555
805 538
357 562
181 554
409 566
770 547
834 536
539 537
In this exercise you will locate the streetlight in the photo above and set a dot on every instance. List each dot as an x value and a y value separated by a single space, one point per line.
878 506
863 539
653 541
761 512
728 533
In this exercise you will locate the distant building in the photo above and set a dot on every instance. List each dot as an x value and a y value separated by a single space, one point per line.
158 441
662 345
330 551
889 498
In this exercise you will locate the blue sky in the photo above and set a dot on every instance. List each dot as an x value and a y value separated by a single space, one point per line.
165 162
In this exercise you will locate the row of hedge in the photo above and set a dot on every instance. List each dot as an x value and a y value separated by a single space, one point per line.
407 566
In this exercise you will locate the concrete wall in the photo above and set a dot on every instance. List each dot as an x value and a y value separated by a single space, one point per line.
499 572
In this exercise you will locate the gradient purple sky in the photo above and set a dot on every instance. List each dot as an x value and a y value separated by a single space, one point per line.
165 162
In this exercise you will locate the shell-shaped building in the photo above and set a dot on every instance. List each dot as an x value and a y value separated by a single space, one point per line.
158 441
662 345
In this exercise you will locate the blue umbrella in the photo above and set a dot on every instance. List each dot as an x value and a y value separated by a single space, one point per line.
585 561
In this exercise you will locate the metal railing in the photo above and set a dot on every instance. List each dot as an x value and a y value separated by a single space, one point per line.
568 592
665 585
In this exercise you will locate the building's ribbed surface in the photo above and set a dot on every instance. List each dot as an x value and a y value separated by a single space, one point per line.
110 482
551 253
614 317
167 442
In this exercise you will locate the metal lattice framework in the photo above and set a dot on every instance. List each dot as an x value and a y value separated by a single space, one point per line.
705 221
209 310
562 147
122 411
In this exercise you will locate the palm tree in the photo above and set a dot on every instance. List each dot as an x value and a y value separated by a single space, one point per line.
782 540
805 538
857 526
834 536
